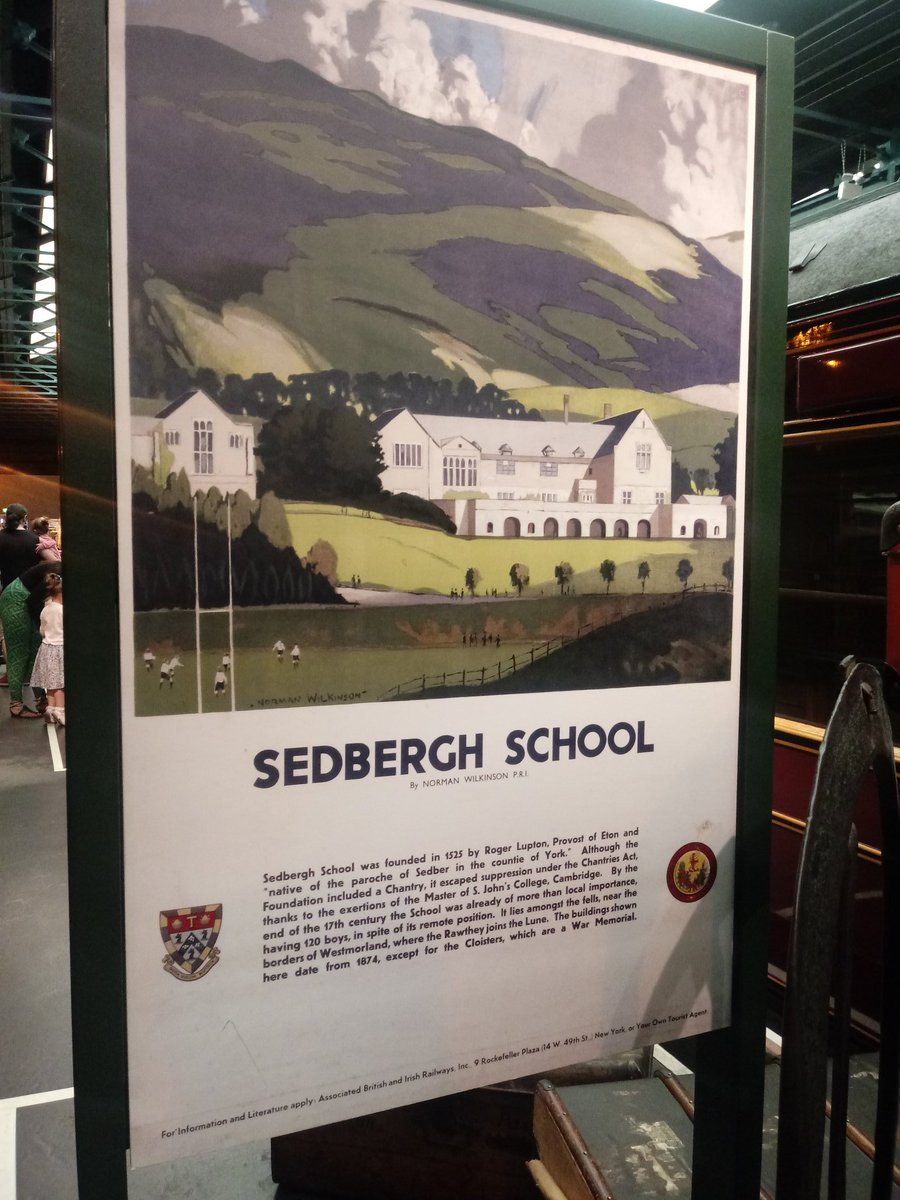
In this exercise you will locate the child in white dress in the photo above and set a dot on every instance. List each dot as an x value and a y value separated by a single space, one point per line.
47 671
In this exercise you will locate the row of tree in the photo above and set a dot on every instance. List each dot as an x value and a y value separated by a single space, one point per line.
520 575
263 394
265 567
724 480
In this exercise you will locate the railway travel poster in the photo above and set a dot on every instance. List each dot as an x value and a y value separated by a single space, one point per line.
431 373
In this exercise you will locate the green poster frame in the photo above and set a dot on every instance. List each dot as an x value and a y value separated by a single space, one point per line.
729 1094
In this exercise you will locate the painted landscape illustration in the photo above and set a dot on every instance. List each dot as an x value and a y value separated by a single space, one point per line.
435 325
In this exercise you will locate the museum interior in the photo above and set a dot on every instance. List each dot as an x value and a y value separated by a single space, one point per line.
619 1125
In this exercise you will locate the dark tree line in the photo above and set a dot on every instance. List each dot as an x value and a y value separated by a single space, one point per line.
309 451
725 457
369 393
262 572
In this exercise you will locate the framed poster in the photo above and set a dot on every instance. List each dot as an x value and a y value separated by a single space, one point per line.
432 359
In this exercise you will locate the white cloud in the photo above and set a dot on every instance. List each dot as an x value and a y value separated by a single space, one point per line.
704 167
466 96
327 29
252 11
401 61
552 89
412 77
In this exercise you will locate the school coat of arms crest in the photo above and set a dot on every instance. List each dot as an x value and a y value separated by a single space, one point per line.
189 936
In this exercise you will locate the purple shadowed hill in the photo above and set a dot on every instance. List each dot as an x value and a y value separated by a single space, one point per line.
227 154
209 212
528 282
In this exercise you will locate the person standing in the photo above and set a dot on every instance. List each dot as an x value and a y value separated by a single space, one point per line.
21 629
47 672
46 546
18 545
295 655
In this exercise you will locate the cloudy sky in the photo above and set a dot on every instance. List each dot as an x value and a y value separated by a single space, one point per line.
671 140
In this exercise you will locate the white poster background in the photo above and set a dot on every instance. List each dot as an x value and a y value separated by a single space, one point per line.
230 1057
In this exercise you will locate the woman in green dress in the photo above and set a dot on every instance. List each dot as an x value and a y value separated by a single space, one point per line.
22 633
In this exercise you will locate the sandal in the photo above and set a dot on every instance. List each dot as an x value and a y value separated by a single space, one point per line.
18 709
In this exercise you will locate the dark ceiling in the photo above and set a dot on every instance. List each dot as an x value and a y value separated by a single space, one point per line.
847 116
846 82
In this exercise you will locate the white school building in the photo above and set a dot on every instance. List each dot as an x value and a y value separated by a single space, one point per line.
514 478
193 434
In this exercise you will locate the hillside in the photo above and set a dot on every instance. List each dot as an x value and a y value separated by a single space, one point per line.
280 223
689 642
387 555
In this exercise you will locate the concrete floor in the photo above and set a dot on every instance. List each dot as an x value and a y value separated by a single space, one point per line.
37 1132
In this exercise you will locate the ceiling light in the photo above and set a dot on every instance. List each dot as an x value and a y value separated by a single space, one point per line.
811 196
694 5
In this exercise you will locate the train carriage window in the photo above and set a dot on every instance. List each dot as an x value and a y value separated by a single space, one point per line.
837 484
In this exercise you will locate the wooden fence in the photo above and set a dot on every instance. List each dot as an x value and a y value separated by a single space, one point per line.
479 676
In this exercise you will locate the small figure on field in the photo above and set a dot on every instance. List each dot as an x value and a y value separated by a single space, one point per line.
226 662
219 683
149 659
278 649
295 655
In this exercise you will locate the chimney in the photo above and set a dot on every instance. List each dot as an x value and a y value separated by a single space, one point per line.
565 408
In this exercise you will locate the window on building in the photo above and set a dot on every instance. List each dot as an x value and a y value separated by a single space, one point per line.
549 468
460 472
490 526
506 448
660 497
585 497
506 466
531 527
203 448
578 452
547 451
642 456
407 454
173 437
548 497
236 441
683 530
626 497
506 495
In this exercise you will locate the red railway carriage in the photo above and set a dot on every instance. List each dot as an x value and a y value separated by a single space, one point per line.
841 472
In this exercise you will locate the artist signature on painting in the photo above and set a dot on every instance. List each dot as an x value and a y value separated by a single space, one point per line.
310 698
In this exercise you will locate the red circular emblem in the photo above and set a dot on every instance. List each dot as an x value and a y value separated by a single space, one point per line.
692 872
